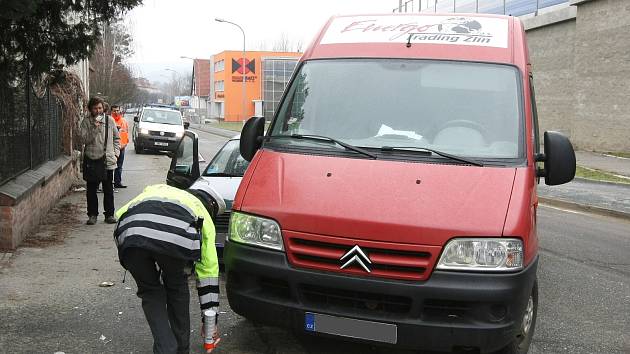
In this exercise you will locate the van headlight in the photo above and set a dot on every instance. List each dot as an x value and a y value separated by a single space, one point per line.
179 134
482 254
255 231
144 131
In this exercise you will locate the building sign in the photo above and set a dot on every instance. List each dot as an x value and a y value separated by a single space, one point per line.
244 66
182 101
457 30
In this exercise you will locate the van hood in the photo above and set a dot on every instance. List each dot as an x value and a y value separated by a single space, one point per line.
171 128
403 202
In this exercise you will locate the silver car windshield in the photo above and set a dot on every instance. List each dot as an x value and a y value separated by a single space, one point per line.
228 162
462 108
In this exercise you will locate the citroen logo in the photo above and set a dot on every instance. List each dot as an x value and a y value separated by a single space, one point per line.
356 255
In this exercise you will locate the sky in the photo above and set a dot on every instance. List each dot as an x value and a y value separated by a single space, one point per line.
165 30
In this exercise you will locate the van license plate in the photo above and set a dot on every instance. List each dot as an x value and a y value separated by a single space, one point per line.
157 143
350 327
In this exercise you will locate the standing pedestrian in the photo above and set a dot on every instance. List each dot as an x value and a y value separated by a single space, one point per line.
123 130
101 141
172 228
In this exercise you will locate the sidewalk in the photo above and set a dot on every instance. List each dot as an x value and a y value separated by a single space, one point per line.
216 131
609 163
593 196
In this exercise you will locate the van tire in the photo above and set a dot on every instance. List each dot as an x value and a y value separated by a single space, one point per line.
520 344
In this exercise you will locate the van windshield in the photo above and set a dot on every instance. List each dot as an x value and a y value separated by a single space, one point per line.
162 116
462 108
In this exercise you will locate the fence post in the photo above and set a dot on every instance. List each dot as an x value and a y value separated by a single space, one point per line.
476 6
504 7
27 87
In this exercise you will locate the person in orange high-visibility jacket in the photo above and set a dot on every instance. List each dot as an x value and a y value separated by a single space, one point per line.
123 131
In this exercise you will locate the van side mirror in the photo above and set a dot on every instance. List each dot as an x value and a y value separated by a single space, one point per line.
136 119
251 135
186 125
559 159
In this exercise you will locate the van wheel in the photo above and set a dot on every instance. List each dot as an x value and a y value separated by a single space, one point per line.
520 344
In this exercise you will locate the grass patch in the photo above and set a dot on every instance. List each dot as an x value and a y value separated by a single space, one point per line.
598 175
235 126
620 154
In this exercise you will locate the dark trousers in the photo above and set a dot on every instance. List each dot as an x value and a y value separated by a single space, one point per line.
108 196
166 307
118 171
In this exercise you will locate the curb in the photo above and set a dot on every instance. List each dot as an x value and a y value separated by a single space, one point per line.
216 131
583 207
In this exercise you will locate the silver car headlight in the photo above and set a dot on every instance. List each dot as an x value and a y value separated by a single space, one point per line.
482 254
255 231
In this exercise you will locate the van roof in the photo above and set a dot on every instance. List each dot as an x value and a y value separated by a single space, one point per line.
471 37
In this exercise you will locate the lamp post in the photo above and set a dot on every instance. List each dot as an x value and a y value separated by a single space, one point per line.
244 114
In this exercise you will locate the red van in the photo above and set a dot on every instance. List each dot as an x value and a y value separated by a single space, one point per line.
393 198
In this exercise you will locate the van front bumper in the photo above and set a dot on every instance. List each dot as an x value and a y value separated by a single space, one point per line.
157 142
449 310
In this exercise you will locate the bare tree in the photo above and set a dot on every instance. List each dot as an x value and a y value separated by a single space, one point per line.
111 78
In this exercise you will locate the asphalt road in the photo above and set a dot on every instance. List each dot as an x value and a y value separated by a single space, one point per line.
50 300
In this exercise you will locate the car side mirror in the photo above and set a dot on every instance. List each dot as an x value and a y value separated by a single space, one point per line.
559 159
136 119
251 137
186 125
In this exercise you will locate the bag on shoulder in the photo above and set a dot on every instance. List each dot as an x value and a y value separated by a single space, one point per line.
96 170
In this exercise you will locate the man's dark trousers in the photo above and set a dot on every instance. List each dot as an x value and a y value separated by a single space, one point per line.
108 196
166 307
119 168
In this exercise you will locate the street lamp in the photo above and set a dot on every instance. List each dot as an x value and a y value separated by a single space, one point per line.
242 63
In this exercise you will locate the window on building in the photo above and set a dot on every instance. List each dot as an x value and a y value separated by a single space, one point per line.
219 85
219 66
276 74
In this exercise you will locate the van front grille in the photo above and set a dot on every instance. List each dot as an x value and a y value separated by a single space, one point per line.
387 260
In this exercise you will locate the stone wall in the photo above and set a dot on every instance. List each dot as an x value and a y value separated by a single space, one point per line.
25 201
581 65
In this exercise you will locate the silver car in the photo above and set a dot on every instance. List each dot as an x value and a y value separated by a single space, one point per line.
224 173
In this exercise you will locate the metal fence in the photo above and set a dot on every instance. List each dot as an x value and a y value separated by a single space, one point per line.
501 7
31 130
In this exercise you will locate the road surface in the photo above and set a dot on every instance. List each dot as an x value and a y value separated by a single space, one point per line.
50 300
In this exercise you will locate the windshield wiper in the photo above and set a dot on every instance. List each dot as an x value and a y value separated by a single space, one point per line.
437 152
220 174
324 138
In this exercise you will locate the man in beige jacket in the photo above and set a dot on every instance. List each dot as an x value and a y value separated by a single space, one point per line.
92 133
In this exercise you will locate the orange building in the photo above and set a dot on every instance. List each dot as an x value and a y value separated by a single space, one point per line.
266 75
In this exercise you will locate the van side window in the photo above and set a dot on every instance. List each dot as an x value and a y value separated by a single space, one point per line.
534 115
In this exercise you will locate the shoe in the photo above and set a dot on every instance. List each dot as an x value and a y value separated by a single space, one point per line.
115 190
91 220
119 186
110 220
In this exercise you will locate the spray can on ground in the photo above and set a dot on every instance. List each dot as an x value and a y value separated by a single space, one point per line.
210 329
